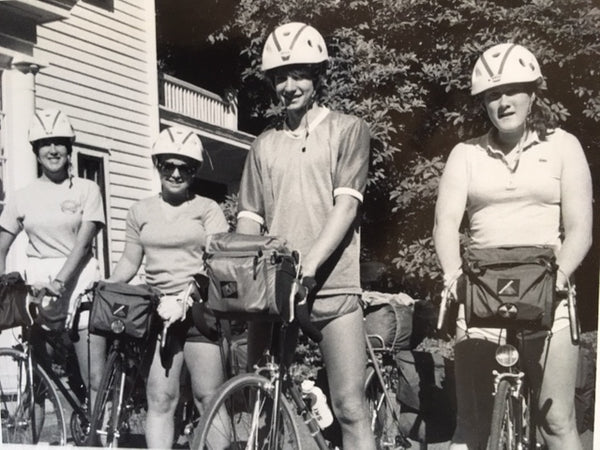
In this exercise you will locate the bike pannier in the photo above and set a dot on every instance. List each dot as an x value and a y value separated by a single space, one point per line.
13 295
390 317
509 286
250 276
123 308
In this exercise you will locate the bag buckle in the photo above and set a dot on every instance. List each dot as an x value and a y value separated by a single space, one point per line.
508 311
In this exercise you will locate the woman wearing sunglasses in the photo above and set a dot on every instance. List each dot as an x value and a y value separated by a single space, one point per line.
169 230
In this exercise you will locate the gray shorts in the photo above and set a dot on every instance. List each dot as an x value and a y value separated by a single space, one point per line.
332 306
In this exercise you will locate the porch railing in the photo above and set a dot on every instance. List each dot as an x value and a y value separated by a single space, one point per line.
191 101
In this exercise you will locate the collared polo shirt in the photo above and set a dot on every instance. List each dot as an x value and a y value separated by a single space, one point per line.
514 200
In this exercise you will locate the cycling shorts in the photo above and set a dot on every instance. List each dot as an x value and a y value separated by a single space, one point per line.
332 306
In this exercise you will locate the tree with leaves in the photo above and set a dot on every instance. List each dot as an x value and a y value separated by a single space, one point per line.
404 66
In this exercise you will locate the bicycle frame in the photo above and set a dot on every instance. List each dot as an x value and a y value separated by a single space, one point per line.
511 382
26 347
278 374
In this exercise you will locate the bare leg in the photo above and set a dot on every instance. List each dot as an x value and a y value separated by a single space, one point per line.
207 374
553 360
162 391
344 353
96 359
206 369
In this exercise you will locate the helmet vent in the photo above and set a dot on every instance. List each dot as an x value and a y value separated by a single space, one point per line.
293 43
522 62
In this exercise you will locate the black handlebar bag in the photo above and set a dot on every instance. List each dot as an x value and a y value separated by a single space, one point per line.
250 276
13 294
123 308
509 287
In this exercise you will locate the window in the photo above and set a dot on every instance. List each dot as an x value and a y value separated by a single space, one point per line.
92 167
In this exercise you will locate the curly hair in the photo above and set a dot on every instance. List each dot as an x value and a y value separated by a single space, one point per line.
540 119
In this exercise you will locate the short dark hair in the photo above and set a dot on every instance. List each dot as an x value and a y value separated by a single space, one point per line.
317 74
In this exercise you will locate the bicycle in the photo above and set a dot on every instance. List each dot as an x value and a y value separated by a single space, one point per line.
513 425
241 414
117 416
31 408
380 388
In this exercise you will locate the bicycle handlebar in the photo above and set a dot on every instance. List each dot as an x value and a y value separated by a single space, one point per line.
568 293
298 295
446 293
297 301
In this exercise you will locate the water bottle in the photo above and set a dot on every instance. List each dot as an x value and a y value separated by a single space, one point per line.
318 403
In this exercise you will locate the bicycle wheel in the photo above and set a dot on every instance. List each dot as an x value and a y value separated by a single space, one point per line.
384 412
239 417
511 428
29 414
105 423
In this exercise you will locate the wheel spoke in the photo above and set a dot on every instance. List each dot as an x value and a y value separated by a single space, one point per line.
31 413
240 417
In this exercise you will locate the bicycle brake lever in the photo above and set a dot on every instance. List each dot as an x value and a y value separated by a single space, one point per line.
163 335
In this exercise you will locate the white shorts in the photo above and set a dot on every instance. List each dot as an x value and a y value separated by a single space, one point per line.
561 321
43 270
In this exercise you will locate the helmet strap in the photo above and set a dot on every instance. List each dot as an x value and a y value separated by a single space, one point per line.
70 170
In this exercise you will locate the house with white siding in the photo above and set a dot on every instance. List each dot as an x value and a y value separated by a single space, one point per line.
96 61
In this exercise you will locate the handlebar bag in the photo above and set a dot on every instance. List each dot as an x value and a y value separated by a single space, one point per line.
121 308
509 286
250 276
13 295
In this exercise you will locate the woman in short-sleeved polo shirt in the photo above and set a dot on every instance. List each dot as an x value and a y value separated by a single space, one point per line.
304 180
524 183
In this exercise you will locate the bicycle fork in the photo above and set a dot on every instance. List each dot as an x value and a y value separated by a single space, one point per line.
32 395
519 408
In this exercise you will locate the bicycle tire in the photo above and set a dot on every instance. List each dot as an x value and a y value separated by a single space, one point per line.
105 422
80 429
246 399
17 415
511 428
384 415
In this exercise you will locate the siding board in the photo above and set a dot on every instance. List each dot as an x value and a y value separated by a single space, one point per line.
85 33
112 106
112 19
103 74
86 51
124 34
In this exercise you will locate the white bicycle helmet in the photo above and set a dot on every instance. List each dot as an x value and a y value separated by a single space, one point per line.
178 141
504 64
50 123
293 43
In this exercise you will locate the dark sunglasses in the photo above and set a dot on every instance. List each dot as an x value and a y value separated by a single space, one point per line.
166 169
